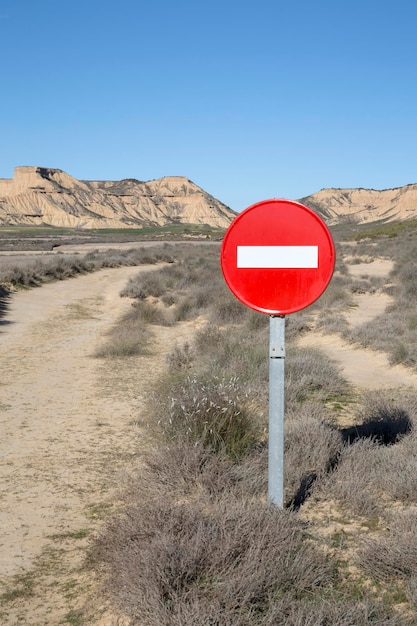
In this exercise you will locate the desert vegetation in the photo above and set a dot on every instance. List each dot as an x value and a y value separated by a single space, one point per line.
395 332
39 270
196 541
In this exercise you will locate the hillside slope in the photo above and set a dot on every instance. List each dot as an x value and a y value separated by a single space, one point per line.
364 205
43 196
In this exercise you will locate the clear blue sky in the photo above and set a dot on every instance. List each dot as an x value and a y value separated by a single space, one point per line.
250 100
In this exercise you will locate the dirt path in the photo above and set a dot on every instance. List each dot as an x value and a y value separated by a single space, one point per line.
365 369
67 429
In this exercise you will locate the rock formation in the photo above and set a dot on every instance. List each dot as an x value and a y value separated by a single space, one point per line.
43 196
364 205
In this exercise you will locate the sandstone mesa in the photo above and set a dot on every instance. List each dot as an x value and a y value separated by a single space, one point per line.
40 196
45 196
364 205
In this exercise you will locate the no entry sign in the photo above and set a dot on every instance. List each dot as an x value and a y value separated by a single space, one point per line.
277 257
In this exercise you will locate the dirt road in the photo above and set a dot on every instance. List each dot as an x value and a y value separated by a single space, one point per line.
67 428
364 368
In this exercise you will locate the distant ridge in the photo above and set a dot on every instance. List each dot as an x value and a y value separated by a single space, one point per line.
364 205
50 197
45 196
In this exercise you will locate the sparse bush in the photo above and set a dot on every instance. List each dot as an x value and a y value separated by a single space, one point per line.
209 339
232 562
400 471
394 552
182 469
380 418
124 343
353 483
228 310
150 285
127 338
35 272
144 312
311 449
310 374
181 357
207 410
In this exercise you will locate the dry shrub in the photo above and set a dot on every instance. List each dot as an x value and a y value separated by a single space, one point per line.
207 410
310 374
400 472
255 320
240 352
181 357
186 563
124 342
145 312
382 463
411 590
128 337
180 285
334 610
209 339
228 310
394 552
311 448
34 272
353 483
384 417
144 285
184 470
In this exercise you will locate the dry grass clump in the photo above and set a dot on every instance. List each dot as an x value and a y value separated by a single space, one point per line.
311 448
127 338
193 562
353 482
378 461
207 410
41 270
401 471
151 313
181 357
185 289
310 374
193 548
382 418
393 553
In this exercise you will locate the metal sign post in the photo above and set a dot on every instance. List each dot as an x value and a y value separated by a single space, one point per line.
276 410
277 257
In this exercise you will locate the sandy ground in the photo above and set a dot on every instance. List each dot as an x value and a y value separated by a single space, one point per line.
69 427
365 369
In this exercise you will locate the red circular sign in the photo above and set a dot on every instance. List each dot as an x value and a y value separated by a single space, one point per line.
277 257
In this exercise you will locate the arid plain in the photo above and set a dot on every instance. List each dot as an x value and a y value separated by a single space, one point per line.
71 427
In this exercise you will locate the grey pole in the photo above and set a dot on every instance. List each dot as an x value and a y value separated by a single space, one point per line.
276 410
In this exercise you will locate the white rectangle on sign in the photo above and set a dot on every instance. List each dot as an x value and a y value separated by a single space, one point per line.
277 257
